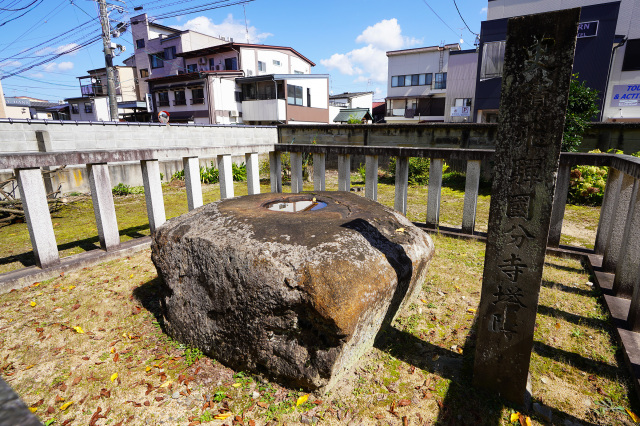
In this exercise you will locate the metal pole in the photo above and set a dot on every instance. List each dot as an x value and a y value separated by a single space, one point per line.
108 60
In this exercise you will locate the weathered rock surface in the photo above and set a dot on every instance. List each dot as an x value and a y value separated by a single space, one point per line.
296 296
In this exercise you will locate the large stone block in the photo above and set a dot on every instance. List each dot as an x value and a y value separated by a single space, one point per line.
296 296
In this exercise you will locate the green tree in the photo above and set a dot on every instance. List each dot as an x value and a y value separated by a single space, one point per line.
581 109
353 120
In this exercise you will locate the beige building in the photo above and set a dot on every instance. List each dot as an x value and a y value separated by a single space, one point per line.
3 112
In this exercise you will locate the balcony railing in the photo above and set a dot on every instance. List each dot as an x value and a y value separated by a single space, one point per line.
92 90
196 101
180 102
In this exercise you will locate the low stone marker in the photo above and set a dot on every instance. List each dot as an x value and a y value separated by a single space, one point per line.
535 85
295 286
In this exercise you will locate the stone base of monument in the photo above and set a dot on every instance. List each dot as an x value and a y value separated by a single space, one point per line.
295 287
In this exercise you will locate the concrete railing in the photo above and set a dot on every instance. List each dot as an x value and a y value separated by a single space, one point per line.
618 234
32 189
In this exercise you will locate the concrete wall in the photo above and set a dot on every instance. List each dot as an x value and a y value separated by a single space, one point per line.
21 137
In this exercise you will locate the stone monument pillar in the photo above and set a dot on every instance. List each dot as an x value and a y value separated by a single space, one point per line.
535 86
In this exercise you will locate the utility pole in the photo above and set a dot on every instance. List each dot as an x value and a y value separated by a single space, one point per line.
108 60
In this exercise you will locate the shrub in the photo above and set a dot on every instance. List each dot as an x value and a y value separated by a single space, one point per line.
239 172
209 174
122 189
581 108
362 171
418 170
587 185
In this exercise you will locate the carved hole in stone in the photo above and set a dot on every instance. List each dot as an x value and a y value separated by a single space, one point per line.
295 205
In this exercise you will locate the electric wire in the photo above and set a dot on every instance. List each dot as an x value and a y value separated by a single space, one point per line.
442 20
18 17
21 8
465 22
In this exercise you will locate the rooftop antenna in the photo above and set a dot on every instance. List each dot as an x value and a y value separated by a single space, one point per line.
245 22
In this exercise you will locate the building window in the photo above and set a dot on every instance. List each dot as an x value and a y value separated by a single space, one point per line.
140 43
631 60
144 72
411 80
276 63
298 72
231 64
74 109
192 68
463 102
294 95
492 60
238 96
169 53
441 80
163 98
308 97
88 108
262 66
157 60
179 98
197 96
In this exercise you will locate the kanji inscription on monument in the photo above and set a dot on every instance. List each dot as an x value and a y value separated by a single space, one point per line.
535 86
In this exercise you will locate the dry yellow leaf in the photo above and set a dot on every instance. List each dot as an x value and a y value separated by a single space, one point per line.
459 349
33 409
167 383
424 300
30 366
114 376
66 405
514 417
147 369
33 303
113 350
473 311
527 421
399 230
222 416
236 385
71 287
558 325
302 400
633 416
78 330
131 276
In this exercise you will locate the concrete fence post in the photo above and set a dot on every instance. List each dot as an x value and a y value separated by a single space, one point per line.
252 162
296 172
225 174
153 193
435 189
402 184
371 177
471 187
619 219
275 171
319 169
36 211
559 204
628 267
103 207
344 172
192 182
611 191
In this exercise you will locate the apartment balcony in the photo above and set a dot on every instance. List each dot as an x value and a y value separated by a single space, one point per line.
92 90
264 110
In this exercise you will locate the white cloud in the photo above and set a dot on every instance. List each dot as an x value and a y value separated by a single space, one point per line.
227 28
53 66
37 75
386 35
370 62
483 10
57 50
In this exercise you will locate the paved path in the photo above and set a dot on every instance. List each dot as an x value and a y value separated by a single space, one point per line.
13 411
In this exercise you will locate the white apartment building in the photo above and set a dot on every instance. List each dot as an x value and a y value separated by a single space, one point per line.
417 84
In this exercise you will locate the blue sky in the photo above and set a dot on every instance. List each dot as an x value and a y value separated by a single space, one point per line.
346 40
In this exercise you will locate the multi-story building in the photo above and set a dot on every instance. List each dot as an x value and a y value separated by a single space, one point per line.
93 105
350 100
203 79
418 83
461 80
26 107
607 56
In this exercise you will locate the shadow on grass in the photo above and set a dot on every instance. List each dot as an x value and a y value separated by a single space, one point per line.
28 259
568 289
596 324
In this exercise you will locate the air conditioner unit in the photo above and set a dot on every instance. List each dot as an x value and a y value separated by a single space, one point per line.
202 60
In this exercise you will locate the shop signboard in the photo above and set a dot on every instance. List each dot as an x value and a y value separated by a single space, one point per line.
625 95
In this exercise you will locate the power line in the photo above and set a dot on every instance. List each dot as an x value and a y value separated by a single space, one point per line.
442 20
17 17
21 8
465 22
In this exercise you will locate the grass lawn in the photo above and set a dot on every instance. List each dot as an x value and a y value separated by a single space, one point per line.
90 343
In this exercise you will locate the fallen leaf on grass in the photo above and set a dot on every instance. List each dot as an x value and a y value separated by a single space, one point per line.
263 404
399 230
116 357
405 421
167 383
78 330
114 376
514 417
30 367
302 400
66 405
558 325
33 409
33 304
222 416
471 310
379 416
236 385
633 416
404 403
